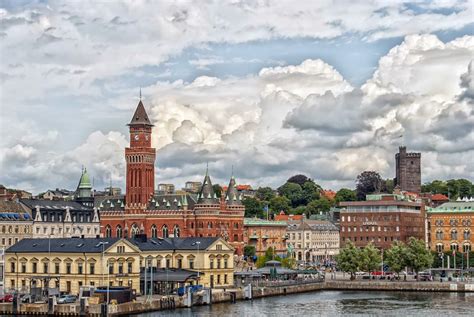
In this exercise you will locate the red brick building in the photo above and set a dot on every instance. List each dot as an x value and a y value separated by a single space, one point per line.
178 215
381 219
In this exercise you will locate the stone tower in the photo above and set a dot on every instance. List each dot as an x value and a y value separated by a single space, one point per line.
140 159
408 171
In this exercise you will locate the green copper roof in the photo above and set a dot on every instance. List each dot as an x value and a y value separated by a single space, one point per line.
453 207
262 222
84 182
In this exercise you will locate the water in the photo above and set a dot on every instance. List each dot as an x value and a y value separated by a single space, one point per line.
340 303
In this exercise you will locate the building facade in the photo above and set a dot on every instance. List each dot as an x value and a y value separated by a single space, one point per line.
212 257
65 219
175 215
408 171
264 234
15 223
381 219
68 264
313 242
451 226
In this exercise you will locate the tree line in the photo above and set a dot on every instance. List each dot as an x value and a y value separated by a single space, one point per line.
414 255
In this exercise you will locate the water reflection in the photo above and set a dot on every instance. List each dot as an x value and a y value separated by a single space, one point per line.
340 303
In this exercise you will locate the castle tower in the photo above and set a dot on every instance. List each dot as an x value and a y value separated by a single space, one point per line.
84 190
232 197
140 158
408 171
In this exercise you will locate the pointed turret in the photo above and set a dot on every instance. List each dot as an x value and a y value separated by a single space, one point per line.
206 194
232 195
140 117
84 190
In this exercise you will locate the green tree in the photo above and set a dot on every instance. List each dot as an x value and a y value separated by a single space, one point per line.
265 193
322 204
298 179
348 259
368 182
288 262
249 250
396 257
293 192
345 194
388 186
253 207
279 203
311 191
370 258
435 187
418 256
217 189
298 210
465 188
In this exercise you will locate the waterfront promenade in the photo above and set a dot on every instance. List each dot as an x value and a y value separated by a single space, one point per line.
161 303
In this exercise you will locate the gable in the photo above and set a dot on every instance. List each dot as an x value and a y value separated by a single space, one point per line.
220 245
122 246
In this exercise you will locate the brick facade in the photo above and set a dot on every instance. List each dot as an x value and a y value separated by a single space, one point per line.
167 215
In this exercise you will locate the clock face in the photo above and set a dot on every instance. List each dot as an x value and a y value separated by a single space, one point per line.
136 137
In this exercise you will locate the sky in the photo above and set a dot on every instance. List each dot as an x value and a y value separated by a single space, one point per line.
271 88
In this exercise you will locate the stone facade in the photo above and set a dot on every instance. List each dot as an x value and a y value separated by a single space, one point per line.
313 241
264 234
167 215
408 171
381 219
15 223
451 227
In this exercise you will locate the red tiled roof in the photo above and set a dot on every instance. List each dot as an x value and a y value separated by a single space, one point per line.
329 194
438 197
283 217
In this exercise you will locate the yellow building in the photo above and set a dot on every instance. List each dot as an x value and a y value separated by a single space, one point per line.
68 264
178 260
451 226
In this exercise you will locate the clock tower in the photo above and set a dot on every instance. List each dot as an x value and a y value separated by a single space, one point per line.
140 158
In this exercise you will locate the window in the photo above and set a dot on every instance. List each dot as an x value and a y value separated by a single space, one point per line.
164 230
168 263
121 249
466 248
454 234
439 234
211 263
120 268
467 234
111 268
191 264
79 268
176 231
154 231
129 267
56 268
439 247
108 231
45 267
225 264
218 263
34 267
118 231
225 278
68 268
134 230
180 263
454 247
23 267
92 268
218 278
12 267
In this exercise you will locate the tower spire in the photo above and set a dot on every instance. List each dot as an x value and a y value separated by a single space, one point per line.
140 93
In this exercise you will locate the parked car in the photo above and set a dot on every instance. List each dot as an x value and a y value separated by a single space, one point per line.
67 299
7 298
26 298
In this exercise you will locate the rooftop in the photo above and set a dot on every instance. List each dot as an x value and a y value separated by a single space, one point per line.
453 206
262 222
191 243
61 245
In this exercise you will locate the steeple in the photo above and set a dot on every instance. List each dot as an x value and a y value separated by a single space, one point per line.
232 196
84 188
140 117
206 195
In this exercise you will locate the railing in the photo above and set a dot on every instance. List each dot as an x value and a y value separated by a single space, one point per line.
277 283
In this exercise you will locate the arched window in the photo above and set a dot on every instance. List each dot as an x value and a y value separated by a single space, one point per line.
466 247
439 247
209 225
439 234
154 231
108 231
454 247
192 225
134 230
118 230
454 234
165 231
176 231
467 234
